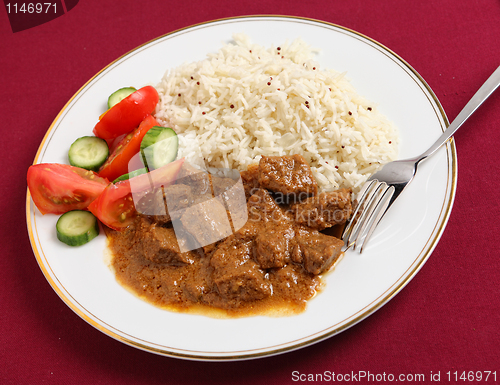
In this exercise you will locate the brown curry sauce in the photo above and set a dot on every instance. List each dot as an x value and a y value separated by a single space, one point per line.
272 265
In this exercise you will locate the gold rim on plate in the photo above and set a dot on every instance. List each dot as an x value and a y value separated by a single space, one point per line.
419 261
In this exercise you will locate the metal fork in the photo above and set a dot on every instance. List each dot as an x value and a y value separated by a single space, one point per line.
383 187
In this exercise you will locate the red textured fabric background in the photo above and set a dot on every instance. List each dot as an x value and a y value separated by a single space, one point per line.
446 319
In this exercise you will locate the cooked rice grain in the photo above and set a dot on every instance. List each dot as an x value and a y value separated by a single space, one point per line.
246 101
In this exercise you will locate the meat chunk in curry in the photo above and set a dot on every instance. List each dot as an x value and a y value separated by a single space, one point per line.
289 175
194 256
207 222
324 210
160 244
237 277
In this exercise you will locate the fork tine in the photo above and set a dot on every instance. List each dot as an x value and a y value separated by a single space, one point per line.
352 225
362 211
360 201
368 211
365 205
381 208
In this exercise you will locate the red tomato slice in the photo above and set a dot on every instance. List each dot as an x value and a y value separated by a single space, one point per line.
115 207
118 162
126 115
58 188
112 143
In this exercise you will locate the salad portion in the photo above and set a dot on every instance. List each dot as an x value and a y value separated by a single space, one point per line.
128 153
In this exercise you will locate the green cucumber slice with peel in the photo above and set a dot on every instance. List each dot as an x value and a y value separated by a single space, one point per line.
77 227
131 174
159 146
117 96
88 152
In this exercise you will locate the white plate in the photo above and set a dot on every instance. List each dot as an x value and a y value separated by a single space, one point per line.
361 283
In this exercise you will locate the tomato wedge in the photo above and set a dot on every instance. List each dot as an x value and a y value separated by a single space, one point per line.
126 115
59 188
118 162
115 207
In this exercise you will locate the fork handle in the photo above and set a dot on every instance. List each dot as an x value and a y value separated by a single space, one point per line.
479 97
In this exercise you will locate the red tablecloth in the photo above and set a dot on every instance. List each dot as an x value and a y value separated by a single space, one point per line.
446 319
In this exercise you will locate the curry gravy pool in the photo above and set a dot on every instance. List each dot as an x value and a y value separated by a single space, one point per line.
272 264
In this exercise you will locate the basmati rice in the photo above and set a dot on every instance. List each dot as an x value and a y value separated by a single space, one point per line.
246 101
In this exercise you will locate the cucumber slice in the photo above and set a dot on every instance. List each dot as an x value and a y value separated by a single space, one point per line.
77 227
88 152
159 146
117 96
131 174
